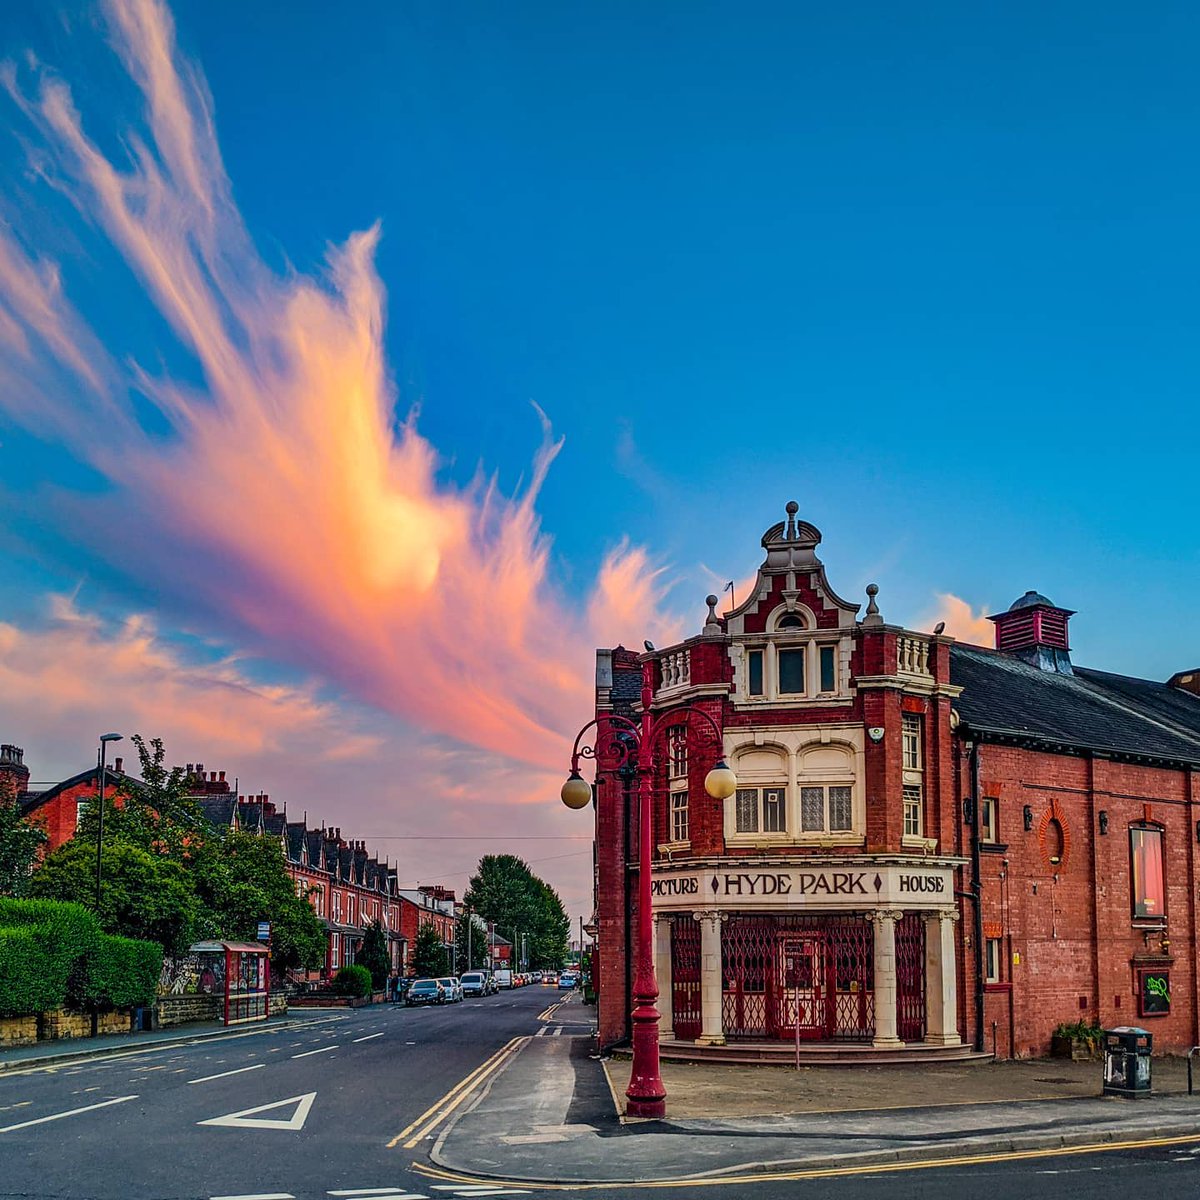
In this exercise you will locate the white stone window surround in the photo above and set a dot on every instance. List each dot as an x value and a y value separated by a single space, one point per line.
810 639
793 757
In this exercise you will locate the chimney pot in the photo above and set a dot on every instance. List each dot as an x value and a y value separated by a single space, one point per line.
199 768
189 768
221 776
212 777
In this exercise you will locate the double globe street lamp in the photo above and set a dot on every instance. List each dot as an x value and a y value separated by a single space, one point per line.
626 743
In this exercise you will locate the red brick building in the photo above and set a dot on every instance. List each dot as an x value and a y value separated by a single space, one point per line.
887 778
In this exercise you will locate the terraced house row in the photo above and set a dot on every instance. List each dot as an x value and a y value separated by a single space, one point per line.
349 888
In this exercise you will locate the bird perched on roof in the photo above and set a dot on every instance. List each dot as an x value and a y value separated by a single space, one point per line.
649 646
940 627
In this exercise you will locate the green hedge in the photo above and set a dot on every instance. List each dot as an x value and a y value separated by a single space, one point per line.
121 972
53 954
353 981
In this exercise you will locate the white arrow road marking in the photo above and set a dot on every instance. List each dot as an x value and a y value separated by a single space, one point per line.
226 1074
71 1112
247 1120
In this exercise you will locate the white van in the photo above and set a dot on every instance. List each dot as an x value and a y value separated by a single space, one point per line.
504 979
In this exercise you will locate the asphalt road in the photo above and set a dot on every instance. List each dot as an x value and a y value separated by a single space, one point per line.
352 1100
132 1127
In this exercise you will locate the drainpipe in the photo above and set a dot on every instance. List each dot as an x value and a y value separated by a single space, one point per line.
977 893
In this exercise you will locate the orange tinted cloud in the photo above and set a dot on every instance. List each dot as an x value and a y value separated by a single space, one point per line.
286 503
962 621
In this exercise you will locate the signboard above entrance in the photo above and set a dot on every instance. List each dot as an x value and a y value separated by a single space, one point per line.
805 886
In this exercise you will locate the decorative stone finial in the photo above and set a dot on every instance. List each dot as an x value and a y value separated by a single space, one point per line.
791 508
712 625
873 616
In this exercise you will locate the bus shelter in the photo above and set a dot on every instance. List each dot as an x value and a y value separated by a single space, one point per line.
239 973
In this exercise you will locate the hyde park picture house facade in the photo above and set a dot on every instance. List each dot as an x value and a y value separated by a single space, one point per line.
934 849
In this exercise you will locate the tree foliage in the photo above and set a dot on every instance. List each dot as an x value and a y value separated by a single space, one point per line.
20 841
472 951
353 980
373 955
430 960
506 892
169 876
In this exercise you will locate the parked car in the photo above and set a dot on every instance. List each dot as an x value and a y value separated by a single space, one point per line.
566 982
492 986
549 977
504 979
474 983
425 991
454 992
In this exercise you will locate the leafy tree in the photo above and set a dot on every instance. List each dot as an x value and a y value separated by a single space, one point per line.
506 892
373 955
472 952
242 879
430 959
143 894
19 844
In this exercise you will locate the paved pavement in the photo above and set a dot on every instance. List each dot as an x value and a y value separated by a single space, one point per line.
570 1130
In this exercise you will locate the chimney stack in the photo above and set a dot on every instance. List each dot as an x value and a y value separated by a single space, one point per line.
119 766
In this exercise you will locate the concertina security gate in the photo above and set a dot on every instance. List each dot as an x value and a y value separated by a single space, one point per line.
817 971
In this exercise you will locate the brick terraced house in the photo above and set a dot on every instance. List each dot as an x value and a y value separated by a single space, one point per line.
933 848
348 888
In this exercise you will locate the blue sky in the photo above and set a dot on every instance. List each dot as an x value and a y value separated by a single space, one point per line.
931 273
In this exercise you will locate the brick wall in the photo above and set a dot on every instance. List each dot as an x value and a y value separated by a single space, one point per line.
1072 949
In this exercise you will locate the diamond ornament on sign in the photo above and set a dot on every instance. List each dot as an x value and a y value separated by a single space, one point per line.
878 882
715 885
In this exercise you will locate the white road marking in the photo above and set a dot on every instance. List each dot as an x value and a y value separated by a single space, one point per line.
410 1043
393 1193
368 1037
245 1119
71 1112
258 1196
558 1031
321 1050
226 1074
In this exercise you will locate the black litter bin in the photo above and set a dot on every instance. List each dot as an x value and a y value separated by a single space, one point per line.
1127 1061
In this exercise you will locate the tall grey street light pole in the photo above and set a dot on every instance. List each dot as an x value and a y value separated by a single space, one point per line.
105 738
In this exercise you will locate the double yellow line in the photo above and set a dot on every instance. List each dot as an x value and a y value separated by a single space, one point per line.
412 1135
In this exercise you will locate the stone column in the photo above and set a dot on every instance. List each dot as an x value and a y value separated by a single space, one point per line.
941 979
662 969
884 920
712 1028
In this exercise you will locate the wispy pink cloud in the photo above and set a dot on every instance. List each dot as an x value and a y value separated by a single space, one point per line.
287 504
77 674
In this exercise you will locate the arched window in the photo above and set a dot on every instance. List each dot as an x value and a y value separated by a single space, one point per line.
790 621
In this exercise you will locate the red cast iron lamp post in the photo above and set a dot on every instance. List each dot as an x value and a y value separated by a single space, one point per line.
633 744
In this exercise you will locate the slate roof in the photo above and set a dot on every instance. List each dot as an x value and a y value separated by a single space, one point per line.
217 810
1090 710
